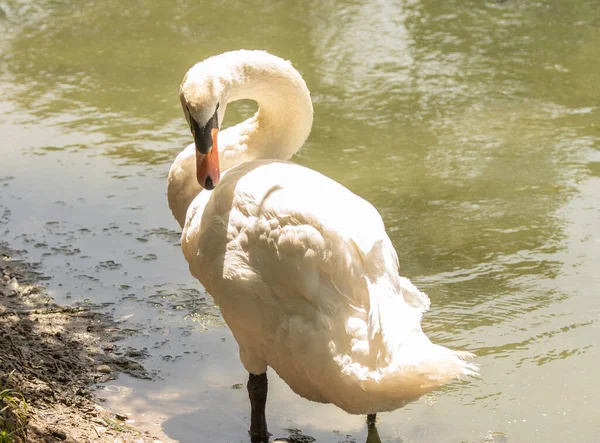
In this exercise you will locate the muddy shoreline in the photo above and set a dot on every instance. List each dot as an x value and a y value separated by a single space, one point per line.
51 356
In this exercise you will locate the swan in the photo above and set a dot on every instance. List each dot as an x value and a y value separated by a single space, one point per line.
301 268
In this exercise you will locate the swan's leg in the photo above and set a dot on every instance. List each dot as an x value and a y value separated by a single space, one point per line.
257 391
371 419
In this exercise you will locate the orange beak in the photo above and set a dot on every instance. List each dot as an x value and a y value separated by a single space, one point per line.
207 165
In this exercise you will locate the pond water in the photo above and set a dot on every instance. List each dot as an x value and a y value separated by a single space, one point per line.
473 126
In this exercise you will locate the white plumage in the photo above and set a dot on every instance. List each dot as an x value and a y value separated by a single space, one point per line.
301 268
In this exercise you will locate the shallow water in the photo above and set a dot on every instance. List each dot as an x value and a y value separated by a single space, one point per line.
473 126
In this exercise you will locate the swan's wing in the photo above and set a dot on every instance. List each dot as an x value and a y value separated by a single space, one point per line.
308 282
299 241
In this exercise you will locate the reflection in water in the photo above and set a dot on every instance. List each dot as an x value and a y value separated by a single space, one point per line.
472 126
296 436
372 434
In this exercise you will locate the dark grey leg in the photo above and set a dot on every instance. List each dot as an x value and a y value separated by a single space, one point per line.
257 391
371 419
372 434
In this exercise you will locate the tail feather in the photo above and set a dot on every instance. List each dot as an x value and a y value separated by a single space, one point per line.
396 385
411 365
402 364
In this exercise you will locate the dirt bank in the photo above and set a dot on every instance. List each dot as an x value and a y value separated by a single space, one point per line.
50 356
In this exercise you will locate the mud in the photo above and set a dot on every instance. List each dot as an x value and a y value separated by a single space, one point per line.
50 358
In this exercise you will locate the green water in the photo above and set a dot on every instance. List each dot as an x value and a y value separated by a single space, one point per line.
473 126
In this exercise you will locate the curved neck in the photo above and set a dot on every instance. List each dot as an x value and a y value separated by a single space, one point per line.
277 130
285 113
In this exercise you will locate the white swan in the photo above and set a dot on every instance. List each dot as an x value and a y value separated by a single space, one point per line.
301 268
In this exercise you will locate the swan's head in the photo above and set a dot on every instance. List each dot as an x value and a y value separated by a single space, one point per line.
202 96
